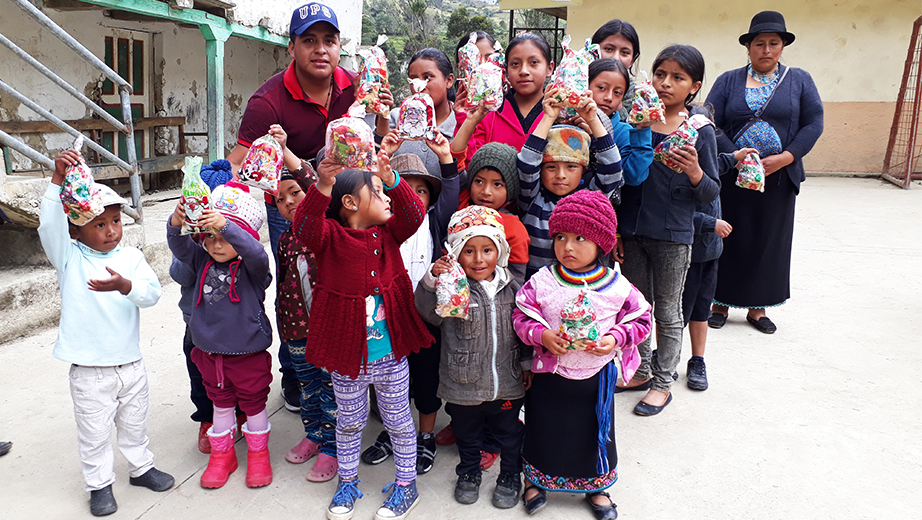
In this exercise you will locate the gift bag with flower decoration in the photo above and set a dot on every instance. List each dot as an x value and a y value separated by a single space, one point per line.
578 323
263 165
646 106
685 134
453 295
78 193
372 78
350 141
751 173
571 77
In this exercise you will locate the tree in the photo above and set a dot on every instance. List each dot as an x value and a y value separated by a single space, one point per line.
461 24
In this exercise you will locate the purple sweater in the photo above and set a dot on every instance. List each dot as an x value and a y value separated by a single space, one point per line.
228 316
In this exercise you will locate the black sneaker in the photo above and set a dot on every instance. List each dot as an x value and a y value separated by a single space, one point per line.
425 452
291 394
379 451
508 488
102 501
154 480
467 490
697 374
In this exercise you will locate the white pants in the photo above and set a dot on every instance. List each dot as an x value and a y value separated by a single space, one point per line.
103 395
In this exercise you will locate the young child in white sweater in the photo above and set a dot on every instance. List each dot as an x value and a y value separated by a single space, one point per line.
102 288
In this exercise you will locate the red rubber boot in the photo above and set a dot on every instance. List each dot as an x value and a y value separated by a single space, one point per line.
222 461
259 468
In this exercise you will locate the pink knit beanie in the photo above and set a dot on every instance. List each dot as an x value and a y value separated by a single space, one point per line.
233 200
588 214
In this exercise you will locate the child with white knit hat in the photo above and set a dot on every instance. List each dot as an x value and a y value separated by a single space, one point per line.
230 328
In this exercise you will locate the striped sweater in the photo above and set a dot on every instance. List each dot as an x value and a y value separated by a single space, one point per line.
537 203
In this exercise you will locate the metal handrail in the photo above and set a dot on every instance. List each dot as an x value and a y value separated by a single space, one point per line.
61 83
124 89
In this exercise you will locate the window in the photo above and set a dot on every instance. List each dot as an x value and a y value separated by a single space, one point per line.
126 57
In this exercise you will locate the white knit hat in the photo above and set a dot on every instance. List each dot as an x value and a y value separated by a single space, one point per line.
233 200
478 221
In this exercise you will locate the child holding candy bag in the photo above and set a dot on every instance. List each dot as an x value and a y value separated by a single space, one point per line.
103 286
229 327
581 318
369 326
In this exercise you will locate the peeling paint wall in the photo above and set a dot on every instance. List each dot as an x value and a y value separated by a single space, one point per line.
176 69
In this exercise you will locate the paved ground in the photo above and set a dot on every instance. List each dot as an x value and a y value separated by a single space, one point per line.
820 420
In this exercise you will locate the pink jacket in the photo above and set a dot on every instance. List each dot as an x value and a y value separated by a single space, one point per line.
501 126
621 310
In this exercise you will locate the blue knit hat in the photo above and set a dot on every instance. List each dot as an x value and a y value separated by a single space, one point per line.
216 173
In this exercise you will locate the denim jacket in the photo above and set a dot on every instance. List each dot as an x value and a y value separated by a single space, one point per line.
482 358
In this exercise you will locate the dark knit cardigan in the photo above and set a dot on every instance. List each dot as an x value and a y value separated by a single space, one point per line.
353 264
795 112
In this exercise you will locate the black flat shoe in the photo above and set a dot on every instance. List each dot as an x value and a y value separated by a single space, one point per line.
535 503
607 512
102 502
642 386
717 320
154 480
645 409
763 324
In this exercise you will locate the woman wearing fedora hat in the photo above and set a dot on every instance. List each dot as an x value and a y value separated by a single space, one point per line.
776 110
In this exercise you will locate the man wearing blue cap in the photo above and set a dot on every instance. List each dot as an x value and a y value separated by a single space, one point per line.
303 99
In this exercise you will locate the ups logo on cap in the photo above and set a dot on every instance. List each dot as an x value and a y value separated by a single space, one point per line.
313 9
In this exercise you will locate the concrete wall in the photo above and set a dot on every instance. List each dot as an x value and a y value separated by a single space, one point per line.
176 68
854 49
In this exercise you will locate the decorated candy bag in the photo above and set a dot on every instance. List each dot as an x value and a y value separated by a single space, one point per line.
372 78
486 85
578 323
751 173
685 134
196 197
453 296
416 118
263 165
350 141
468 58
571 77
646 106
80 198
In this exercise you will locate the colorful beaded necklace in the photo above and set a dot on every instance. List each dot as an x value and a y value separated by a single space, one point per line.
595 279
764 78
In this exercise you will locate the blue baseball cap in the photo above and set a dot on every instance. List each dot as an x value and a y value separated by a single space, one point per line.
309 14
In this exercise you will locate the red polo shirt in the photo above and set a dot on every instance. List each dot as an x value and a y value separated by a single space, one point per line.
280 100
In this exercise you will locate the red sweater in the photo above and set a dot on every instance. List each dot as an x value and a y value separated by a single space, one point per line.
353 264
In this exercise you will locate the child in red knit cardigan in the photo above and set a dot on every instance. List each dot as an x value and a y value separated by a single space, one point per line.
369 323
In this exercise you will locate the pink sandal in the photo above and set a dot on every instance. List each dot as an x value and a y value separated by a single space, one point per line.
303 451
324 469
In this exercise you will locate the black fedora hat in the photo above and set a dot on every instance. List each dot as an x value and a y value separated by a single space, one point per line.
767 22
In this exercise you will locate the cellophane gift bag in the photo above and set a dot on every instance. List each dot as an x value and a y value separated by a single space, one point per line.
578 323
751 173
196 196
453 295
571 77
646 106
372 78
685 134
486 85
416 117
351 142
78 193
468 58
263 165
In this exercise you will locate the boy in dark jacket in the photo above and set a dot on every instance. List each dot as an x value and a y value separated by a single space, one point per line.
484 368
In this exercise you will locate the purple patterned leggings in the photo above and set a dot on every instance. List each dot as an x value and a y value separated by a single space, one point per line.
392 384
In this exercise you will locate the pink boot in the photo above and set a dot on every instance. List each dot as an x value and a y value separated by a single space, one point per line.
259 468
222 461
303 451
324 469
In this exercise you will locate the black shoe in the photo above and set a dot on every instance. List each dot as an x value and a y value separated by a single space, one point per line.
697 374
608 512
154 480
291 394
535 503
645 409
506 493
642 386
5 447
425 452
717 320
379 451
467 490
763 324
102 502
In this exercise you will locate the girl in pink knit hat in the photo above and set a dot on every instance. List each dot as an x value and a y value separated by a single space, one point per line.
584 321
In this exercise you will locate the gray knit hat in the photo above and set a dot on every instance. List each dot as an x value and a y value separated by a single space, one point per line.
500 157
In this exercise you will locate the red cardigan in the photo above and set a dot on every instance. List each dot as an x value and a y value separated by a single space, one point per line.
353 264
